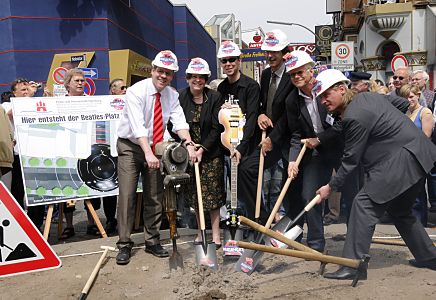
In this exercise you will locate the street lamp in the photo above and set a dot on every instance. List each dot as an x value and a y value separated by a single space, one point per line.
302 26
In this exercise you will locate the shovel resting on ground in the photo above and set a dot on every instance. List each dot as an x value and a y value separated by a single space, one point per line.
205 252
250 258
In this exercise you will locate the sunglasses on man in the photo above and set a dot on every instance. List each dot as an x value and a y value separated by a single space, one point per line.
230 60
398 77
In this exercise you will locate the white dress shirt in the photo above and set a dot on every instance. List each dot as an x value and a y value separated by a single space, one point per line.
138 113
312 107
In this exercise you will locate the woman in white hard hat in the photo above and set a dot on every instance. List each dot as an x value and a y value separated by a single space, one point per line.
201 106
395 157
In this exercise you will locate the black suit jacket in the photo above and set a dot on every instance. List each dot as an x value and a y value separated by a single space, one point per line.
331 143
394 153
210 127
279 101
248 93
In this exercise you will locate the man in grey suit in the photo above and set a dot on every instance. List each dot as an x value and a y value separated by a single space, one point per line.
395 155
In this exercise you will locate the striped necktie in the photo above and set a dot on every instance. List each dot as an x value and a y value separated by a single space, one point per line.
157 122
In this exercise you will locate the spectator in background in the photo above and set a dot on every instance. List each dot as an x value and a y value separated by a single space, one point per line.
420 78
6 143
390 84
360 81
116 87
402 77
74 82
423 119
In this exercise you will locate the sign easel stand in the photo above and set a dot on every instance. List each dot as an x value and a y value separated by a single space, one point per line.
96 219
48 221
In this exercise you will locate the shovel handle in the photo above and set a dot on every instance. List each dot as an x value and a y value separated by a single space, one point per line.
284 190
199 196
259 181
312 203
352 263
93 274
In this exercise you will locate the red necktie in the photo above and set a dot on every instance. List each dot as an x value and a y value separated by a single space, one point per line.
157 122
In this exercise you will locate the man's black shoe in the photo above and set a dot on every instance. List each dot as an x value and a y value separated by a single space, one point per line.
339 237
429 264
111 226
156 250
344 273
123 256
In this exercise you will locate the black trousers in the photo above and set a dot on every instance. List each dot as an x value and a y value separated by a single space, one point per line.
248 171
365 214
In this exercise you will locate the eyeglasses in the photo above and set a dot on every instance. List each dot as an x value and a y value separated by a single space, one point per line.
398 77
79 80
299 73
230 60
123 87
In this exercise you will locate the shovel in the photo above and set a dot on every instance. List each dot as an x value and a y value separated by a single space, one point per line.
250 258
259 182
205 253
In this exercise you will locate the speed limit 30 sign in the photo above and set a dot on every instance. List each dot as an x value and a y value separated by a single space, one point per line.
343 56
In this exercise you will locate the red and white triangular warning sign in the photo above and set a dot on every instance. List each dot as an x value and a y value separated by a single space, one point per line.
22 247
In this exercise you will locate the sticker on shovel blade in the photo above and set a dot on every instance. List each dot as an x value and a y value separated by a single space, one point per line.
247 265
207 262
291 234
231 249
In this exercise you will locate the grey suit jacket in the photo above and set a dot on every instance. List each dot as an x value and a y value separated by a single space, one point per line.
394 153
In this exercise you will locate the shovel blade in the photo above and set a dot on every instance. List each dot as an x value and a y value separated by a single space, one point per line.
280 227
206 258
176 261
248 261
230 247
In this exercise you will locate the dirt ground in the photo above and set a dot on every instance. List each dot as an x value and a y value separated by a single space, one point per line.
276 277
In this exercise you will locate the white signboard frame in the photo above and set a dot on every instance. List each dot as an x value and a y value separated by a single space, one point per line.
343 56
67 146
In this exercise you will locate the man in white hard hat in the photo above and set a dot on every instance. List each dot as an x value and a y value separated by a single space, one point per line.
150 104
315 125
244 89
395 156
275 86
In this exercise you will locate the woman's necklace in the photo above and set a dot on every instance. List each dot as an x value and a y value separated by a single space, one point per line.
198 99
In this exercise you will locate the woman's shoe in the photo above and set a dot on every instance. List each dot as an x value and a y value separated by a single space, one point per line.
67 233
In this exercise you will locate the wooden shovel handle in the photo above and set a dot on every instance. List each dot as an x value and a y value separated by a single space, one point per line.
276 235
284 190
259 181
312 203
199 196
352 263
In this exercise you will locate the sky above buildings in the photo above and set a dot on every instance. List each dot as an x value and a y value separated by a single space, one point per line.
255 13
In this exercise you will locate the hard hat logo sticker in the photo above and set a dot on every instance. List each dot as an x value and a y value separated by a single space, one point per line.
271 39
197 65
292 61
167 59
228 47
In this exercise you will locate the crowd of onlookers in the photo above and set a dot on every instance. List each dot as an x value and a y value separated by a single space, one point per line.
11 171
404 83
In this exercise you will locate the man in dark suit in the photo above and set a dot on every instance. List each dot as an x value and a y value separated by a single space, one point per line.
395 156
275 86
313 124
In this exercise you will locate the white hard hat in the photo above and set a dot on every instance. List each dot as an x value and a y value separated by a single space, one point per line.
296 59
166 59
228 49
198 66
275 40
328 78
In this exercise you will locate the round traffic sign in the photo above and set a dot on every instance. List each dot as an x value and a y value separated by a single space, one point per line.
399 61
342 51
59 75
89 88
